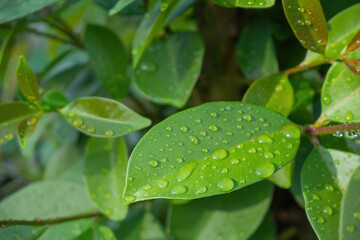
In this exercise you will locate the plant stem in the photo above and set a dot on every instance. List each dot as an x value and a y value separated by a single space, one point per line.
301 67
40 222
314 131
34 31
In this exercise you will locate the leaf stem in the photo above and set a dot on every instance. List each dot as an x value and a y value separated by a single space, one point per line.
304 67
315 131
48 35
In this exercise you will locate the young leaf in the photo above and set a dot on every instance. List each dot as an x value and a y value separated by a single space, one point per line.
49 199
324 177
339 96
98 232
232 216
109 59
353 65
246 3
255 52
274 92
354 43
67 230
105 172
13 9
350 209
266 231
54 100
208 150
308 23
120 5
27 82
101 117
26 128
168 70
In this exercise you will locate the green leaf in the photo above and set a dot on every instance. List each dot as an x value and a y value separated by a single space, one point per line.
246 3
342 28
21 232
13 9
98 232
232 216
308 23
67 230
165 4
274 92
350 209
11 114
106 4
27 82
105 172
325 175
26 128
339 96
101 117
266 231
353 65
208 150
169 69
354 43
303 92
120 5
283 177
46 200
255 52
54 100
109 59
5 52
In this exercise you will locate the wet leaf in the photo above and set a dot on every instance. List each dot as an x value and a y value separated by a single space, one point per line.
354 43
246 3
339 96
353 65
49 199
169 69
208 150
325 175
308 23
244 209
120 5
67 230
101 117
350 209
266 231
26 128
283 177
105 172
255 52
21 232
109 58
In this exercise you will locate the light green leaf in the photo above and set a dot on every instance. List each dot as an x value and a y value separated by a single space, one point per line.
101 117
168 70
27 82
283 177
350 209
165 4
26 128
105 173
120 5
255 52
303 92
109 58
342 28
325 175
340 100
46 200
266 231
308 23
232 216
208 150
13 9
67 230
98 232
246 3
274 92
54 100
21 232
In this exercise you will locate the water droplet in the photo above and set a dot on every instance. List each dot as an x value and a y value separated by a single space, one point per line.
198 120
213 114
225 184
138 168
90 129
148 67
180 160
213 128
357 216
247 117
168 128
9 136
350 228
268 155
329 187
291 131
178 189
204 150
265 169
147 187
252 150
349 116
289 145
203 133
185 171
78 122
194 140
224 170
129 199
320 219
264 139
163 160
326 99
31 121
153 163
162 183
219 154
202 190
327 210
109 133
234 161
183 129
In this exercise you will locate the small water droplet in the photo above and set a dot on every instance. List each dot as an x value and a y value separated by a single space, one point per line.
168 128
194 140
291 131
349 116
31 121
247 117
178 189
148 67
326 99
234 161
219 154
153 163
225 184
252 150
213 128
268 155
162 183
147 187
329 187
109 133
90 129
320 219
129 199
264 139
202 190
350 228
327 210
198 120
213 114
265 170
184 129
224 170
78 122
180 160
357 216
203 133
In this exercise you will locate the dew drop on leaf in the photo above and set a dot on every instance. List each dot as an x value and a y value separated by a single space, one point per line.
153 163
178 189
129 199
202 190
213 128
219 154
265 169
162 183
328 210
225 184
109 133
185 171
194 140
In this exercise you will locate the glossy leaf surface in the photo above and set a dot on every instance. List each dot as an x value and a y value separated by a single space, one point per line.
325 175
340 100
354 43
308 23
50 199
244 209
255 51
120 5
67 230
283 178
103 117
208 150
273 92
109 58
105 170
246 3
168 70
353 65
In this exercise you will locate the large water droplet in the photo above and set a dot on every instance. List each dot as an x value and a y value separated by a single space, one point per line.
178 189
78 122
213 128
247 117
194 140
162 183
213 114
349 116
265 170
183 129
109 133
219 154
225 184
268 155
185 171
327 210
153 163
202 190
129 199
264 139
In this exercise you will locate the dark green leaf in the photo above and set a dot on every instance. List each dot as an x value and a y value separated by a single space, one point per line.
120 5
109 59
266 231
5 53
106 4
99 233
246 3
308 23
105 173
68 230
103 117
19 232
208 150
303 92
54 100
232 216
168 70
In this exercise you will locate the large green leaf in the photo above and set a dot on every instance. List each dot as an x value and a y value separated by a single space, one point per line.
105 172
208 150
325 175
274 92
266 231
283 178
246 3
99 232
308 23
231 216
340 100
19 232
342 28
168 70
350 209
68 230
44 200
255 53
13 9
101 117
120 5
109 58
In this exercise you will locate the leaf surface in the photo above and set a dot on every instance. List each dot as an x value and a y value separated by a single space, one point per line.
246 3
120 5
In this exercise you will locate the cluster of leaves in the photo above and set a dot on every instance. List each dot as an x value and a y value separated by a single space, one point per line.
149 55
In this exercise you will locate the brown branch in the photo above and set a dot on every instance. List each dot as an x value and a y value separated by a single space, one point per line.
332 129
